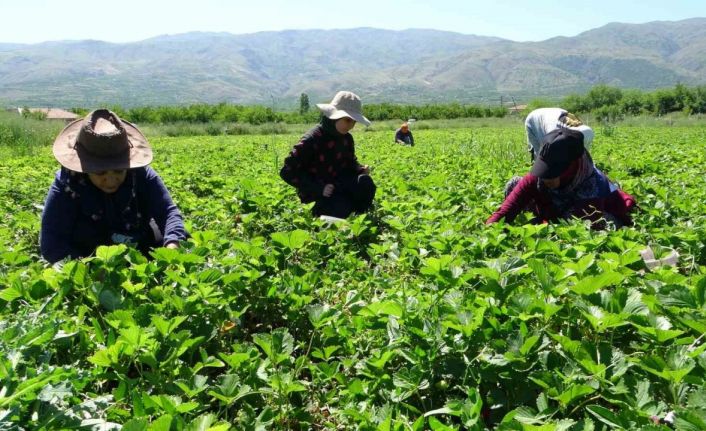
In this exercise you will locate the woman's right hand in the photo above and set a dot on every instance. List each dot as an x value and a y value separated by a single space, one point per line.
328 190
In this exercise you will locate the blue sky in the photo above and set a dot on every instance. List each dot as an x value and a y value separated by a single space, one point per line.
32 21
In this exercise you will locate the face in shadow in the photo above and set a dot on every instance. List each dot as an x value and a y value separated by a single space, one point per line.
108 181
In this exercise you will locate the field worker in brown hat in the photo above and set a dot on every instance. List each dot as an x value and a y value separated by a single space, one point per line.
323 166
403 135
105 193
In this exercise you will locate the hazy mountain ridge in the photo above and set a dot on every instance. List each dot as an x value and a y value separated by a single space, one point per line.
410 66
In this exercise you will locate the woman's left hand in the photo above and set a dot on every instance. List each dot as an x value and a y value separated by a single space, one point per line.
172 245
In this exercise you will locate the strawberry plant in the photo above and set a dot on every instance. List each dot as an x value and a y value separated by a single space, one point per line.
413 316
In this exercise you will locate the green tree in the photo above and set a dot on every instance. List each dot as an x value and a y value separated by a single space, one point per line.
698 105
303 104
634 102
665 101
603 95
575 103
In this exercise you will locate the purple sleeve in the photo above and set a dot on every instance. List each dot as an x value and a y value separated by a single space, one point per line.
163 209
398 135
517 200
58 219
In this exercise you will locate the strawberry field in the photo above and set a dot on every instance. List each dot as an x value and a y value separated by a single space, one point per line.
414 316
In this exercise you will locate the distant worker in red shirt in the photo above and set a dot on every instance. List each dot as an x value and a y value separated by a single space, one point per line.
323 166
564 183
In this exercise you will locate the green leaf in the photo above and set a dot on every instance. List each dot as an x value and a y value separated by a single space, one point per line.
585 263
698 399
110 299
674 369
210 276
573 393
539 268
188 344
38 336
691 420
380 359
187 407
133 336
607 417
108 253
11 293
387 308
132 288
418 425
602 320
523 415
320 314
443 267
528 344
135 425
166 327
436 425
590 285
30 387
293 240
101 358
278 346
164 423
206 423
385 425
14 258
234 360
175 256
355 387
52 394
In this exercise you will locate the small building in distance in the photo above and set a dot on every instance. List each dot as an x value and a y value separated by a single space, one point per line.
52 113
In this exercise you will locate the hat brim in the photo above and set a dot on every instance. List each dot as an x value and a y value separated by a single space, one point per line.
544 170
74 157
331 112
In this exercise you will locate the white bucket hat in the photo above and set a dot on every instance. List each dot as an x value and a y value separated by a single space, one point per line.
344 104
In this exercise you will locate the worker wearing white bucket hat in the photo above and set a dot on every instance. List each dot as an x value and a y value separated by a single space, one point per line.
344 104
323 166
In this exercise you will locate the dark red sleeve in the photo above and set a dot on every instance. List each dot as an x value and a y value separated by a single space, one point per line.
294 172
621 204
524 192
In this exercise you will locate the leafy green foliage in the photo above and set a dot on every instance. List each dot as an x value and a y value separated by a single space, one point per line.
611 103
413 316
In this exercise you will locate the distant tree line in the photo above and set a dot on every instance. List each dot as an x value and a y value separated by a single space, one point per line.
611 103
446 111
605 102
258 114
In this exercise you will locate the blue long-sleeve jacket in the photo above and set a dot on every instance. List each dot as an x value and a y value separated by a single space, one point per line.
78 217
404 137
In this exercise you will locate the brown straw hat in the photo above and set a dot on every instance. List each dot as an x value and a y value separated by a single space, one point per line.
344 104
101 142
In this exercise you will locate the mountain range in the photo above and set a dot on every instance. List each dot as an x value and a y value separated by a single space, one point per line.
408 66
